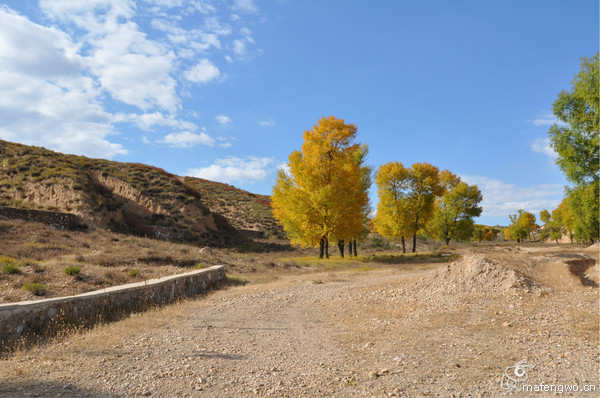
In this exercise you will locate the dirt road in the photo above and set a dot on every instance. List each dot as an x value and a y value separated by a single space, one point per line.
432 330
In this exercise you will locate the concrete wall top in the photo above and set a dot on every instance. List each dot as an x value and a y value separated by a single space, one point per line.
108 290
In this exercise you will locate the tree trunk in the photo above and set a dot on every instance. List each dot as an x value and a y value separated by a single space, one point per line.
326 248
447 241
354 245
321 248
403 245
414 249
341 247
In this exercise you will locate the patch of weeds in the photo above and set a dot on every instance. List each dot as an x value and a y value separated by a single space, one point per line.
72 270
200 266
10 265
11 269
365 269
37 288
133 273
234 281
317 282
411 258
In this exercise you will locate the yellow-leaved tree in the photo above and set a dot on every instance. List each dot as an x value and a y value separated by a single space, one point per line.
406 199
323 193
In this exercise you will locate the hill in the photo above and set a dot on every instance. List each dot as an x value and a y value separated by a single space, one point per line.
132 198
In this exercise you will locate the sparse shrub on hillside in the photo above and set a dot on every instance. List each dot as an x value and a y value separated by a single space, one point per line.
9 266
133 273
37 288
72 270
12 265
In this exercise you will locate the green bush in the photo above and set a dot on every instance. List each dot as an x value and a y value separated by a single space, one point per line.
37 288
10 265
134 273
72 270
10 269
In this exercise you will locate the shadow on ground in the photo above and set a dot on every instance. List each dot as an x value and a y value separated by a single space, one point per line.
44 389
578 268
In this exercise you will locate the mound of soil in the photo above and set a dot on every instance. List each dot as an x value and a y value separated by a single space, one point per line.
477 274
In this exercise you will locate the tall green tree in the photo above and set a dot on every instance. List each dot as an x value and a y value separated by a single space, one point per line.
575 139
322 196
552 229
583 202
454 212
577 143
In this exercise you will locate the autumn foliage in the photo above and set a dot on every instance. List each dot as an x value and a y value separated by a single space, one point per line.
322 196
423 199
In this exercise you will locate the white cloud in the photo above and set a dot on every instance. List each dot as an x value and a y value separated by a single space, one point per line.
245 5
233 169
134 70
542 145
186 139
239 48
46 100
223 119
266 123
285 167
544 121
501 199
547 119
64 85
146 121
203 72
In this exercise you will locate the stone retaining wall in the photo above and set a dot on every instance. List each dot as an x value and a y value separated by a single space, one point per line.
27 318
56 219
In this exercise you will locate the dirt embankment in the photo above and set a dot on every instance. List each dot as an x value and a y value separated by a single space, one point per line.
432 330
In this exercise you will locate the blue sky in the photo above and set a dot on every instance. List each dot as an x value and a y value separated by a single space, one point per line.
224 89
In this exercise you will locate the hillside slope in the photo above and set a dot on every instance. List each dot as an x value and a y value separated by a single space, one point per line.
129 197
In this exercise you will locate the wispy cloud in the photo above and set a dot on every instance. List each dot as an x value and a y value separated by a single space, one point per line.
267 123
547 119
235 169
544 121
186 139
245 5
223 119
542 145
501 199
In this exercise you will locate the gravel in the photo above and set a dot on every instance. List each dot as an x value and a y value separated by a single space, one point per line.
436 331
